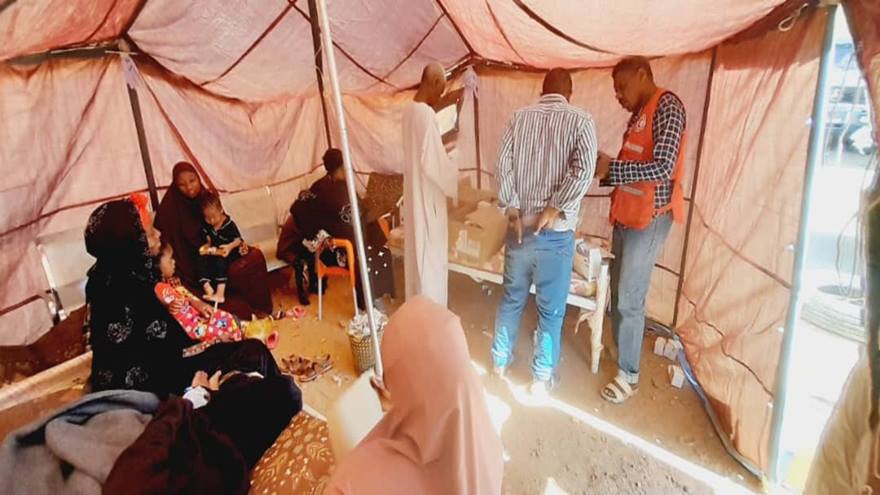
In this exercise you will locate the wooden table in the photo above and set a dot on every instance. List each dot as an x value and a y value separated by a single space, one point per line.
591 309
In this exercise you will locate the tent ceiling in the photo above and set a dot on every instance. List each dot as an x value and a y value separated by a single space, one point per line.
263 51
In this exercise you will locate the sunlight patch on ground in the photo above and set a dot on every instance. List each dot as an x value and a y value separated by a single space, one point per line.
553 489
500 412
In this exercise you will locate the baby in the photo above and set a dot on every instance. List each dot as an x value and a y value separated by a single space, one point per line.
224 245
200 321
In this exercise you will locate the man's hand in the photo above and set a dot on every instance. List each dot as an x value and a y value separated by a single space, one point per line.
515 220
547 219
382 392
603 166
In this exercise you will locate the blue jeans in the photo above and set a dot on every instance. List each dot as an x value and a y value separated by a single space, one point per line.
635 252
544 260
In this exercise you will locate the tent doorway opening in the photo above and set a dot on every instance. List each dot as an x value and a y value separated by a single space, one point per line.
830 332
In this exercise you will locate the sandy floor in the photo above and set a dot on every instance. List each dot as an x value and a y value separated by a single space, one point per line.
661 441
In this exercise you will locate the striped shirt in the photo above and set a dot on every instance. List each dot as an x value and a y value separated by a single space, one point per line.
669 124
547 158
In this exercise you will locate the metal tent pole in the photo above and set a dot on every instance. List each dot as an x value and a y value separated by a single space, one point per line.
694 179
316 44
814 159
130 71
329 53
477 141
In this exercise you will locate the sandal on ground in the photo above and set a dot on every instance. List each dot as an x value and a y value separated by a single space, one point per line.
312 372
619 390
300 366
295 365
296 313
315 369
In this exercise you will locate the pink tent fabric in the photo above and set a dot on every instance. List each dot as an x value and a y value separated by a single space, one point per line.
232 86
738 270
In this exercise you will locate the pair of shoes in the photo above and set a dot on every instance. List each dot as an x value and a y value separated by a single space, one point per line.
542 388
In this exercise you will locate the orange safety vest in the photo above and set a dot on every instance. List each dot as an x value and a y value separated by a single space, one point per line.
632 205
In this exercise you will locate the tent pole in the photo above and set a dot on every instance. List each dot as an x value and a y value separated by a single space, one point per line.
130 81
477 141
814 160
690 216
350 182
319 66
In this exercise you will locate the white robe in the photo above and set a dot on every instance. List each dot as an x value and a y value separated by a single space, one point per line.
429 177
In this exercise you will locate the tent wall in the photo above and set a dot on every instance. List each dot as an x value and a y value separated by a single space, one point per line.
63 121
738 271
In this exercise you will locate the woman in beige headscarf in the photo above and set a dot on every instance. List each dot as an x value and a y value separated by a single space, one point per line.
436 437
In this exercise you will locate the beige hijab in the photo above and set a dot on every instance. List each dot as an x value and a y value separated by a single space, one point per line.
437 438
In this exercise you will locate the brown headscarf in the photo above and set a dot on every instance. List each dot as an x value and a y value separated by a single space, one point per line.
438 437
180 219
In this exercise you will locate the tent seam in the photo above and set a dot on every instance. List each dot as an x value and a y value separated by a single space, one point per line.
458 30
103 22
349 56
558 32
253 45
416 47
724 351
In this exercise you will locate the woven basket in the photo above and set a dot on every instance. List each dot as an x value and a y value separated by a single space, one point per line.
362 351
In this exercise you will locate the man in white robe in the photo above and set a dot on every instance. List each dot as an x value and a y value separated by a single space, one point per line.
429 177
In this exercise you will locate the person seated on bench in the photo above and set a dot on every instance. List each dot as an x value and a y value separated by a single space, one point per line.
325 207
436 436
136 343
180 219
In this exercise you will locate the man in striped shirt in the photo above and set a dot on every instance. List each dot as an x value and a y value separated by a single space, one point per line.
545 165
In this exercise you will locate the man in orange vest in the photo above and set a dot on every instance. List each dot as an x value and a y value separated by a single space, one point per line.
647 198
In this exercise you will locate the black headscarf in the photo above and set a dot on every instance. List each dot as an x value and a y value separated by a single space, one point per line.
136 342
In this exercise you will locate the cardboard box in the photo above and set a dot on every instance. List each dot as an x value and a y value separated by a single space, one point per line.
479 236
468 194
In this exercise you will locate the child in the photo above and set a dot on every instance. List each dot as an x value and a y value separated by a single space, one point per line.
221 249
200 321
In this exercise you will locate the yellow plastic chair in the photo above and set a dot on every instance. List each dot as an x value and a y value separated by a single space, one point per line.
323 270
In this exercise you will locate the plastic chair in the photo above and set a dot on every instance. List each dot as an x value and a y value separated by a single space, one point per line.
322 270
384 225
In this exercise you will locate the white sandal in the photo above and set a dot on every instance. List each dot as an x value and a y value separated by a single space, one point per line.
619 390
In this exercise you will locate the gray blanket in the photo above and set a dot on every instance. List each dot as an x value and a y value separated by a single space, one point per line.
73 451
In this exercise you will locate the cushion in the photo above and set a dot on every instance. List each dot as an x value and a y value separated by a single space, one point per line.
299 462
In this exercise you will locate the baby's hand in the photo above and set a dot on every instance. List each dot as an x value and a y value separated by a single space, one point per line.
243 249
223 250
176 306
206 310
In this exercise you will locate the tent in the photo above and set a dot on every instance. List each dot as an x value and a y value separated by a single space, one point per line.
100 98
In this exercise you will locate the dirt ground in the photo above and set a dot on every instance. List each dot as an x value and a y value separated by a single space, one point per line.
659 442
